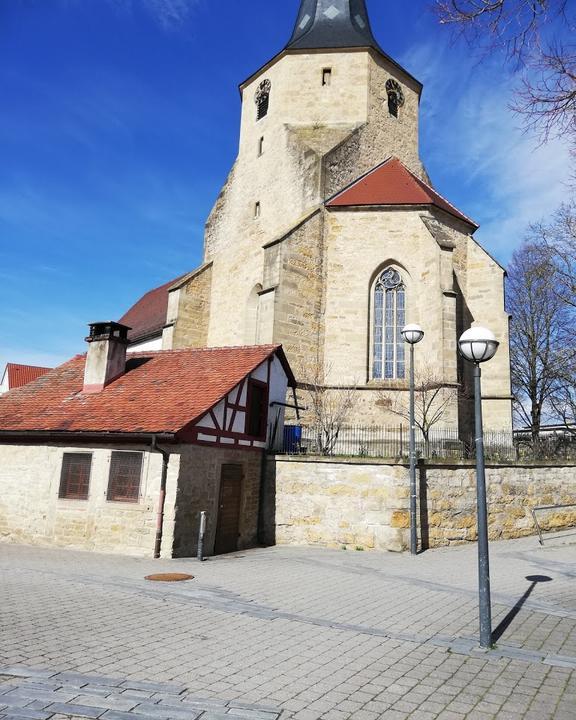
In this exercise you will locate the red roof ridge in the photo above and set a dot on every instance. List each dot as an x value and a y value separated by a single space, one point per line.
164 395
147 316
390 190
175 351
429 187
25 365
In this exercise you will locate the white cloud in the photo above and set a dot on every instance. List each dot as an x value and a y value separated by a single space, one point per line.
169 13
473 140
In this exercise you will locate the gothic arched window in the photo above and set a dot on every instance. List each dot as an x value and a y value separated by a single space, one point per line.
395 97
262 99
388 361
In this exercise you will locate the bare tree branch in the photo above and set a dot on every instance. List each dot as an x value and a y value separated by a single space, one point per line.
432 401
523 31
541 332
329 407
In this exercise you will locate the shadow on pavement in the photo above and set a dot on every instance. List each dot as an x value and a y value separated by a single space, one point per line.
509 618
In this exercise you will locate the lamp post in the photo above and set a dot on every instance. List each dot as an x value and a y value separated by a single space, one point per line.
478 345
412 334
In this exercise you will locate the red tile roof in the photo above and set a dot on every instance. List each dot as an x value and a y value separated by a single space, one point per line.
19 375
148 316
162 393
391 183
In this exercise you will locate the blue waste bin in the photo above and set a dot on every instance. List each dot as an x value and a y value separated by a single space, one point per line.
292 439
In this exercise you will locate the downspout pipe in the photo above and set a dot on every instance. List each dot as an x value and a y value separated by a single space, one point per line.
162 499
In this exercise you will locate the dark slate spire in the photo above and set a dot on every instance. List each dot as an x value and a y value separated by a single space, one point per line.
332 24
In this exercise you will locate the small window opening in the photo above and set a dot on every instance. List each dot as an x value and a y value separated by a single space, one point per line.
395 97
261 146
75 476
327 76
256 417
124 479
257 210
262 99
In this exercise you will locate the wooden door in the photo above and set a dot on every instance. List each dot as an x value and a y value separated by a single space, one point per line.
228 510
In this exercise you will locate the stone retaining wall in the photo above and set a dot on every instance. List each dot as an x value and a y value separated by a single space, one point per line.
365 504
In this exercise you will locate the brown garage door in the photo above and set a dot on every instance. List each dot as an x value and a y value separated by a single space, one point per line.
228 509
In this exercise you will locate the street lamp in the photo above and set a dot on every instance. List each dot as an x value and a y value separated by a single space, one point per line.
478 345
412 334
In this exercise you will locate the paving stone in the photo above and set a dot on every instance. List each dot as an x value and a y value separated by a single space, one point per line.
165 711
252 706
25 671
268 629
80 710
71 678
154 687
246 714
30 714
112 702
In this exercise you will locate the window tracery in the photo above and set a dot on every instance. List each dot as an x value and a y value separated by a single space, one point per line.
395 97
262 99
389 318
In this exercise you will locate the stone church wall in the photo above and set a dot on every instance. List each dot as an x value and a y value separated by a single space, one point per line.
383 135
365 504
191 325
296 265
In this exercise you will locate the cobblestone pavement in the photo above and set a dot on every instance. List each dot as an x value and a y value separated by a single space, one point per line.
298 633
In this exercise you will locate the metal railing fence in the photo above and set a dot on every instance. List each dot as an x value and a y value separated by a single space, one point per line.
379 441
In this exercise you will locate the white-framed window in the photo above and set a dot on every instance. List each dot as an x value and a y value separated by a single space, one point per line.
389 303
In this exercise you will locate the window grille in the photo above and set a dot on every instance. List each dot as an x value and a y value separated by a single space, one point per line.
256 416
327 76
262 99
125 473
75 476
389 319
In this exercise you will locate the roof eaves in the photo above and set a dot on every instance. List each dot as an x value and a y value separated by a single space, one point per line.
296 51
85 435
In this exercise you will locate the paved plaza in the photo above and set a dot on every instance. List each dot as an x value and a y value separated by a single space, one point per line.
290 633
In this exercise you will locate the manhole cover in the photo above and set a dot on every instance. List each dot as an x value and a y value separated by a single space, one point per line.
169 577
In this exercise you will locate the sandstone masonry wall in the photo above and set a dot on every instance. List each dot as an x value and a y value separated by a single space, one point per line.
365 504
199 489
31 511
191 322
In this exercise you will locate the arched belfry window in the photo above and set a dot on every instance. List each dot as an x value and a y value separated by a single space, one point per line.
389 318
395 97
262 99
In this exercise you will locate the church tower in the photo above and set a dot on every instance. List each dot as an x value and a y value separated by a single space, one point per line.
328 236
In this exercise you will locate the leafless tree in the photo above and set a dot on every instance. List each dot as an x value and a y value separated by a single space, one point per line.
559 241
528 32
432 401
540 333
328 407
563 399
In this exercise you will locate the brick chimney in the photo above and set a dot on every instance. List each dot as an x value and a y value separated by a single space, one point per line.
106 358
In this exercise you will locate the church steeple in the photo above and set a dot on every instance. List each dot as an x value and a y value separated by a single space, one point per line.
332 24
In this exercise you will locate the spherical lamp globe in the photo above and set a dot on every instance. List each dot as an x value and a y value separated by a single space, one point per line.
478 344
412 334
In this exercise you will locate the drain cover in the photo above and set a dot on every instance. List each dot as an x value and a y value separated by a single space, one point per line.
169 577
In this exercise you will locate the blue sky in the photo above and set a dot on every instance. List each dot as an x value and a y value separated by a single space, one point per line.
119 123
